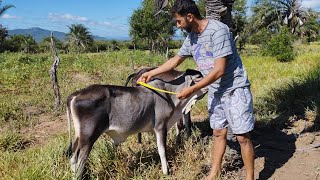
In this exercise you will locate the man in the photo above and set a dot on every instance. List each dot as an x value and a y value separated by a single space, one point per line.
229 97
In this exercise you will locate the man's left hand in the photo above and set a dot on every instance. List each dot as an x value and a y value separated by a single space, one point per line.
185 93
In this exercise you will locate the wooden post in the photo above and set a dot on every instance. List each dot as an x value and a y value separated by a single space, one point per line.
167 53
131 60
53 75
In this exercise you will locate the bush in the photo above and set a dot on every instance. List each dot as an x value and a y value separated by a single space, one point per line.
260 38
280 46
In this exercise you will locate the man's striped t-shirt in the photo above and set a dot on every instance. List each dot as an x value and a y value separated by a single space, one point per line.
214 42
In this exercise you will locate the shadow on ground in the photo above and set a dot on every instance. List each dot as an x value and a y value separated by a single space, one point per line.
270 136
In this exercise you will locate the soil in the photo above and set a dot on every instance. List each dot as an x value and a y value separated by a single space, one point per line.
48 127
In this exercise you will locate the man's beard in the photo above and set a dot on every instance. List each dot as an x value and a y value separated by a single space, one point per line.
188 28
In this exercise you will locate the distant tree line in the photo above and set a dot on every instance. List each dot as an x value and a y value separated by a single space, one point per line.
78 40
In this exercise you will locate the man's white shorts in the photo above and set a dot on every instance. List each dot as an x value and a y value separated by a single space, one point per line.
233 109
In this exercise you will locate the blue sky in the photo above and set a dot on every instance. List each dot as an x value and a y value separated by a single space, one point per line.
106 18
102 17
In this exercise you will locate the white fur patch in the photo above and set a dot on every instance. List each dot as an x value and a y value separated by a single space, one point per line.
76 122
193 100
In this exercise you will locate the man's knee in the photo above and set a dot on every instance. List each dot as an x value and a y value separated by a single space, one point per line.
220 133
243 138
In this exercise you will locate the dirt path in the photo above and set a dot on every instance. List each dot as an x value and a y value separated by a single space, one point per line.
48 127
292 160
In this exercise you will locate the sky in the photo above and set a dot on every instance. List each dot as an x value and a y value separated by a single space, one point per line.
105 18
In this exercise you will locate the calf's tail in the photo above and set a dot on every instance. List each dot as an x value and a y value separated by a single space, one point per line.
129 78
68 153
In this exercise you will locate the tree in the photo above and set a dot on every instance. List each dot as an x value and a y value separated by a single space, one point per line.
45 44
311 27
79 37
280 46
3 35
3 30
239 17
292 13
4 8
155 30
273 14
21 43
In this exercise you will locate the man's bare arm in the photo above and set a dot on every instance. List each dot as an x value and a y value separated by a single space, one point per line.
167 66
216 73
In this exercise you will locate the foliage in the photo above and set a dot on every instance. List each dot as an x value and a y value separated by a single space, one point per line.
21 43
292 13
155 31
280 46
239 15
292 98
261 37
202 7
3 9
3 35
79 38
239 19
272 14
45 44
311 27
129 161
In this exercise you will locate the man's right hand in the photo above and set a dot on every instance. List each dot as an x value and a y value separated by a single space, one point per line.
145 77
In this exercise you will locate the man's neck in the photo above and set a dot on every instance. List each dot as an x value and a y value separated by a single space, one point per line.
200 25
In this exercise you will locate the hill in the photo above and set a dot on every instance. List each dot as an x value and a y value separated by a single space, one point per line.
38 34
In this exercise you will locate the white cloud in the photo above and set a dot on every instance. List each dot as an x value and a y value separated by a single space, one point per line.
107 23
314 4
56 16
8 16
102 28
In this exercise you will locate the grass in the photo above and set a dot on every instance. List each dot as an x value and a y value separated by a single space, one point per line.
279 90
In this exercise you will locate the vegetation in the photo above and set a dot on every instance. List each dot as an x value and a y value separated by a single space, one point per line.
79 38
281 90
156 31
280 46
275 86
3 9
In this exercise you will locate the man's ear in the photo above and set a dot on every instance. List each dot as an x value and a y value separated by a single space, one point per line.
190 17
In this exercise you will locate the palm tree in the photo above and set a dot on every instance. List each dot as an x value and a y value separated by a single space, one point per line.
79 37
274 13
4 8
311 27
292 13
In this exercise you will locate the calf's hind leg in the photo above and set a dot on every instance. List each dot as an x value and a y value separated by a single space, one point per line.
161 136
81 150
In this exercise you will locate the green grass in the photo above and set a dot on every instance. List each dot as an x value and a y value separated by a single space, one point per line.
279 90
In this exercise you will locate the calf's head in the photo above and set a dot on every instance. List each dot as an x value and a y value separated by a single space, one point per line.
187 79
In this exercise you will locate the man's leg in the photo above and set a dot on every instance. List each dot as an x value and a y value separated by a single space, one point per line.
247 153
217 152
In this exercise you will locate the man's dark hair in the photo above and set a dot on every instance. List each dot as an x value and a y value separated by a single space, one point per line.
184 7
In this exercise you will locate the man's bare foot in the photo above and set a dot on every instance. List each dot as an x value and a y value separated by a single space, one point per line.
212 176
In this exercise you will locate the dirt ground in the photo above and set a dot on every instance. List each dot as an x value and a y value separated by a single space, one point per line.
289 154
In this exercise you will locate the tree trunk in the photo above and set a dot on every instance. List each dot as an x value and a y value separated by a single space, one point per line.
220 10
131 60
167 53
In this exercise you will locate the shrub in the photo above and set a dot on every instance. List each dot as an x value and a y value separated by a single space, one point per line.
280 46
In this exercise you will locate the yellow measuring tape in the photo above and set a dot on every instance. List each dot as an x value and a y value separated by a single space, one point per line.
154 88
